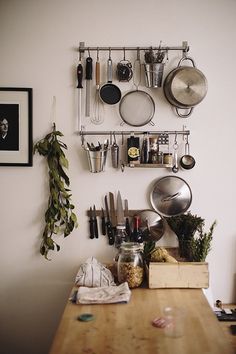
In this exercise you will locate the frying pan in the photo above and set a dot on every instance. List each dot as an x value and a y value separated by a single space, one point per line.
137 107
110 93
171 196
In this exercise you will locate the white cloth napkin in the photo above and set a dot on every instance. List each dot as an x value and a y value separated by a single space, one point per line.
104 295
93 274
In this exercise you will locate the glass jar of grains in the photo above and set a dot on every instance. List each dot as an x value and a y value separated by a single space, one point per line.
130 264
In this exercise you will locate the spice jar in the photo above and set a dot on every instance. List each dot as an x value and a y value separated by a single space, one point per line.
130 264
154 148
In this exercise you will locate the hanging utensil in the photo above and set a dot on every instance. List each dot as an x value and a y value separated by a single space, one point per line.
103 222
120 211
79 87
110 234
115 153
127 224
175 167
110 93
187 161
97 118
152 225
89 69
137 107
171 196
185 87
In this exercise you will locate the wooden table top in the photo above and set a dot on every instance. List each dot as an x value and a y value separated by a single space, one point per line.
128 329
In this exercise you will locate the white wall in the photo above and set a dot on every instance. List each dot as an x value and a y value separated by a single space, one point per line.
38 49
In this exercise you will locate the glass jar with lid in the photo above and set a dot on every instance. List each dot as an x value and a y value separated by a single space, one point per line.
130 264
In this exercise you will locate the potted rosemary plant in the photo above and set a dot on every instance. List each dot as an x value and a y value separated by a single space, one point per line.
194 242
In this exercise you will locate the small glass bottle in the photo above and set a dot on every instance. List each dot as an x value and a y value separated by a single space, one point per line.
130 264
120 236
137 234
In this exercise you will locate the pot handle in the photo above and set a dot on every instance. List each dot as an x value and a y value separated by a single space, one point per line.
187 58
186 115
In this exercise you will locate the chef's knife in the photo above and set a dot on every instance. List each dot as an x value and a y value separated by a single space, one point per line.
89 69
110 234
127 224
103 222
120 211
95 222
91 223
79 87
112 212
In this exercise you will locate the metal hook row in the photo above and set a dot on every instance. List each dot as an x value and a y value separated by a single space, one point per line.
184 48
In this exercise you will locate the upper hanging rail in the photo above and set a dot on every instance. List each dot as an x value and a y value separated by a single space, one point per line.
184 48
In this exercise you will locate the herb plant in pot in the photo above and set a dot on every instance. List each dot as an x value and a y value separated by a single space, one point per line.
194 243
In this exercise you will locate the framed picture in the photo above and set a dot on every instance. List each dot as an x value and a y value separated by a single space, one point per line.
16 144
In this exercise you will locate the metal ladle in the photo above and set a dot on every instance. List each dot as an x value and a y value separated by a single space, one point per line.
175 167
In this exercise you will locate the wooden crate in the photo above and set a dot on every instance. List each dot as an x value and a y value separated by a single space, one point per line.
178 275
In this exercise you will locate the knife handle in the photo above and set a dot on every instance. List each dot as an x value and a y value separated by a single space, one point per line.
103 226
89 68
111 238
127 227
91 228
96 228
80 75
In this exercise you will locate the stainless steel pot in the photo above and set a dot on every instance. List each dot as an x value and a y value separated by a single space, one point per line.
185 87
171 196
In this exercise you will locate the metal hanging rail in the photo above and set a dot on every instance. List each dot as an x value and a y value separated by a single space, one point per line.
82 48
132 132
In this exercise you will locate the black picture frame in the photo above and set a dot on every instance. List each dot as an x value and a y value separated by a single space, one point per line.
16 126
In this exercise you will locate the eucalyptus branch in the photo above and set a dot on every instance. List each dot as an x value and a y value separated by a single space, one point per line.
59 216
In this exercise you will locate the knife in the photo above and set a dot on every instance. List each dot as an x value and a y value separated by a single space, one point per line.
110 234
91 223
89 69
112 212
127 224
120 211
103 223
95 222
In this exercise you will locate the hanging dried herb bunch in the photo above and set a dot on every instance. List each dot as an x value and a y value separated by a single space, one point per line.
59 216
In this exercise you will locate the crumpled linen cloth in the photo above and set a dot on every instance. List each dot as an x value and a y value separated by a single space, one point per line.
104 295
93 274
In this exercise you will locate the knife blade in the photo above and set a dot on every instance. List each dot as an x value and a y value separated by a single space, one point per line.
95 222
127 224
103 222
120 211
112 212
91 223
88 77
110 234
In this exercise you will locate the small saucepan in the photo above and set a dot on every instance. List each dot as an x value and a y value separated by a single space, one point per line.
110 93
187 161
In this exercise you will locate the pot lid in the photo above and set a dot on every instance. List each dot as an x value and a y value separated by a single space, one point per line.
152 225
171 196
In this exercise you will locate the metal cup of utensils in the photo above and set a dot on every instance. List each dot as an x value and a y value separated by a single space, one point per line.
97 160
154 74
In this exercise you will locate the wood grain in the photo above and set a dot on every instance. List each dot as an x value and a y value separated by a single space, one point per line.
127 328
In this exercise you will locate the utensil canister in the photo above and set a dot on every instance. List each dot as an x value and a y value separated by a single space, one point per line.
96 160
154 74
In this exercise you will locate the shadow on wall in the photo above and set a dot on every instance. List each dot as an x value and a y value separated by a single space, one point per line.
41 305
